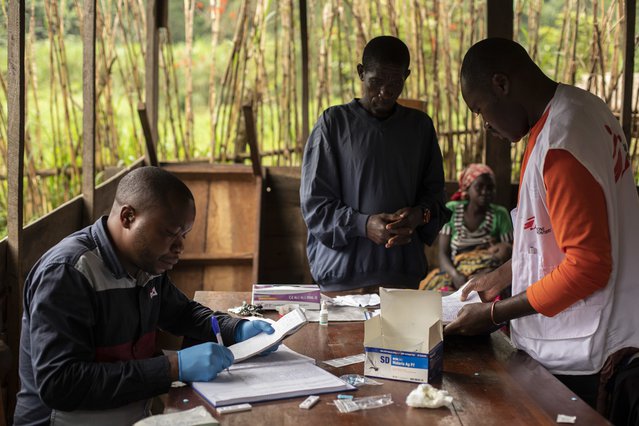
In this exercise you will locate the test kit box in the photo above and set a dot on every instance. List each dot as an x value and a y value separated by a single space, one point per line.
270 296
405 342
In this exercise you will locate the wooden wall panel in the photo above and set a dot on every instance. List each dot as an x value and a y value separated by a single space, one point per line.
283 231
47 231
232 215
228 278
196 239
189 279
221 250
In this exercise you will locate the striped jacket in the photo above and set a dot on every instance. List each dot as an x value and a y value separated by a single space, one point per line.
88 330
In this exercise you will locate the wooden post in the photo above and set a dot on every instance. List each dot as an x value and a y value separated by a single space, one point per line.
149 141
88 112
628 67
305 70
153 16
499 21
251 137
15 172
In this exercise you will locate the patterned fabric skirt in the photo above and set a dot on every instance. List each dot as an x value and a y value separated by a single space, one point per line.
468 263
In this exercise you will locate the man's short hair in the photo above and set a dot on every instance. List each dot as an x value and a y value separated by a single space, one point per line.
492 56
149 187
386 50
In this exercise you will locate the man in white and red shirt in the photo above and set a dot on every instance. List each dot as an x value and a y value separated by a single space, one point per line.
574 274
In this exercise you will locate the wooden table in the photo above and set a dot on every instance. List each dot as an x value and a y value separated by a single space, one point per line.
491 384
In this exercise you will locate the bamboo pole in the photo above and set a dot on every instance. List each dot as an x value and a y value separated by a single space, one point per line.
88 113
15 169
214 14
189 12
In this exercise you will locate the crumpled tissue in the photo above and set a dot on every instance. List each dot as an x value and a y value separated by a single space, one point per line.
426 396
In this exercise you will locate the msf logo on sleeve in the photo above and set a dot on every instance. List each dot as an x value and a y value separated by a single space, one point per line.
529 225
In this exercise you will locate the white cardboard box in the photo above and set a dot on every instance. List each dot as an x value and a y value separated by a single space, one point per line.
405 342
270 296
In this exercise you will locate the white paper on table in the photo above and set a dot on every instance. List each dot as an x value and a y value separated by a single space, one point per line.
357 300
286 326
452 304
193 417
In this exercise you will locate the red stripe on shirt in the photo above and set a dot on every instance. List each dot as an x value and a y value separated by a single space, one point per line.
142 349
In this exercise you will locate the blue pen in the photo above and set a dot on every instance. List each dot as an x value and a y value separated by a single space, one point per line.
218 334
216 330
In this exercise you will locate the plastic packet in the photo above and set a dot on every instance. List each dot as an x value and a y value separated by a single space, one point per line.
358 380
365 403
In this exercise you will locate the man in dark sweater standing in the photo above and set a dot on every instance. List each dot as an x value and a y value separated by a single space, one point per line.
93 303
372 190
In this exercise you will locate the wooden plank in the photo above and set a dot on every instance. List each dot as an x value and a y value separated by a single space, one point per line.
149 140
88 112
208 171
15 172
151 72
499 21
305 70
251 137
259 181
217 259
628 68
195 243
190 277
223 240
283 231
231 221
48 230
228 278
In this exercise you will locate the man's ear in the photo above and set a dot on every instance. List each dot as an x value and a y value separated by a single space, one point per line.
406 74
127 216
360 71
501 84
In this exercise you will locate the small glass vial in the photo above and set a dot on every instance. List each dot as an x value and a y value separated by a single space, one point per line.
323 317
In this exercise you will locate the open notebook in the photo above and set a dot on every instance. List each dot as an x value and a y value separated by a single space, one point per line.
285 326
281 374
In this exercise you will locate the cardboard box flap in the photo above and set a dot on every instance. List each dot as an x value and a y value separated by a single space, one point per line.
410 313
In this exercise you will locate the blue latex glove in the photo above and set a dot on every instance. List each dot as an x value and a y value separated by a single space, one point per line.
247 329
201 363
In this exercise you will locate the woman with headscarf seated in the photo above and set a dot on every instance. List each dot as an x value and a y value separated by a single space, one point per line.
478 237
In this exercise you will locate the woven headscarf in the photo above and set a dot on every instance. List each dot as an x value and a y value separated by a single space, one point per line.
468 176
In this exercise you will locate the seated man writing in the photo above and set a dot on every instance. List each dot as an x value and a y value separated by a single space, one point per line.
93 303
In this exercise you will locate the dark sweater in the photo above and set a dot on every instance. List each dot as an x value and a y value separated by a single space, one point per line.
354 166
88 330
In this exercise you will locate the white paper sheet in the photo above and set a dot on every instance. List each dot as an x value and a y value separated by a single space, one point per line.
357 300
452 304
339 313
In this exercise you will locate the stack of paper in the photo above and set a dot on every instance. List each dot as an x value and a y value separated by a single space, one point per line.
282 374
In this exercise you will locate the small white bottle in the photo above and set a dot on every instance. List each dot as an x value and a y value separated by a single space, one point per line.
323 317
